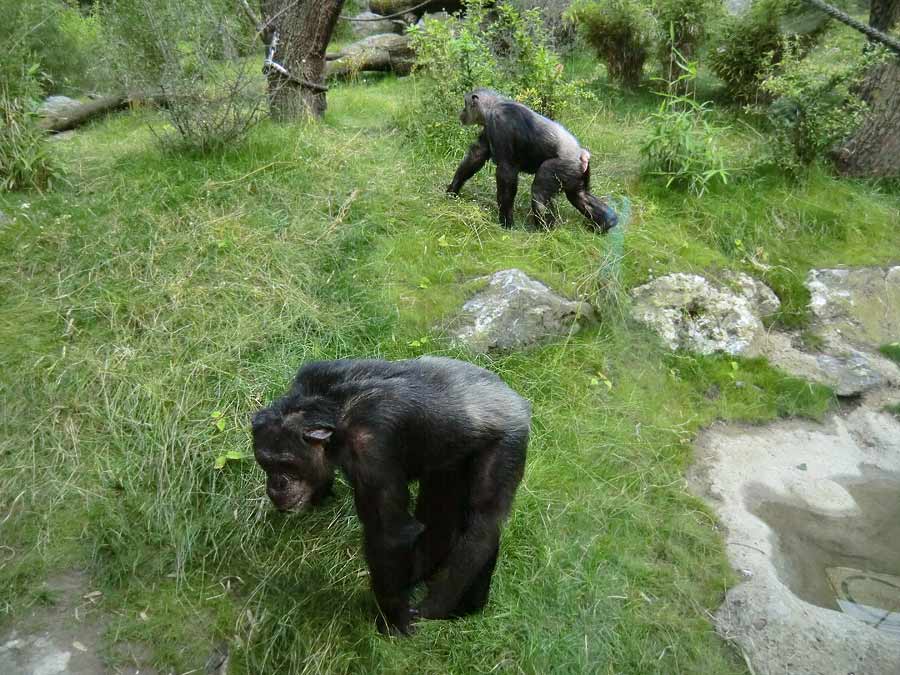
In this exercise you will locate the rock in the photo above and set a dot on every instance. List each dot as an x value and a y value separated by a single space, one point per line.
58 106
848 371
861 305
375 26
690 313
737 7
791 530
515 311
761 297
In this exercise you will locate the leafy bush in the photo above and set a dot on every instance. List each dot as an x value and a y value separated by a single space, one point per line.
506 50
620 31
25 158
682 28
210 103
747 47
815 103
58 37
682 145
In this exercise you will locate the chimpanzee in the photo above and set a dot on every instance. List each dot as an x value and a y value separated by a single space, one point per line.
519 139
454 427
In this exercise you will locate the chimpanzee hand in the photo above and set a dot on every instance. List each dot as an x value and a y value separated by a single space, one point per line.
453 190
398 626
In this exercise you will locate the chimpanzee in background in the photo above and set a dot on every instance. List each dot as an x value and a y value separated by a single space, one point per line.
519 139
454 427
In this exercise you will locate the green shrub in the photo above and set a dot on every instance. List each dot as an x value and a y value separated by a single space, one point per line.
506 50
209 102
620 31
25 158
59 37
682 145
815 105
683 26
746 48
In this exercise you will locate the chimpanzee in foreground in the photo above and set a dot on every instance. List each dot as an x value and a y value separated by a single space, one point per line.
454 427
519 139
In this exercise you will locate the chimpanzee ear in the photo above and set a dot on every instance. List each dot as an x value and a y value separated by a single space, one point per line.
317 435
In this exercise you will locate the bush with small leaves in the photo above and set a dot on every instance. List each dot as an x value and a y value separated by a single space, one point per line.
506 49
815 102
682 29
620 31
26 161
683 145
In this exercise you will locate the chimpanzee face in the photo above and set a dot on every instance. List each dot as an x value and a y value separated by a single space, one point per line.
471 112
298 472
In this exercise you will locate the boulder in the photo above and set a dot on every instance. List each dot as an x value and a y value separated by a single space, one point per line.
689 312
374 25
761 297
860 305
515 311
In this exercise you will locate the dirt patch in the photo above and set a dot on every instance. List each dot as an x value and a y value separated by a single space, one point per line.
810 512
62 635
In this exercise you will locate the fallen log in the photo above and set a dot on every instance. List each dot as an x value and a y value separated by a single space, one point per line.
391 7
386 53
74 116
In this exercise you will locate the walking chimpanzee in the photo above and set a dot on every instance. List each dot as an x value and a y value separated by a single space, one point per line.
454 427
519 139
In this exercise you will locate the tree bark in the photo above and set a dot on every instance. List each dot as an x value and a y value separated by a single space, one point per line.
303 29
874 150
883 14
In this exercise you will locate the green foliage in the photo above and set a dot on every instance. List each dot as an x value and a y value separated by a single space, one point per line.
683 145
620 31
505 49
25 157
683 26
815 104
892 351
747 46
54 34
210 103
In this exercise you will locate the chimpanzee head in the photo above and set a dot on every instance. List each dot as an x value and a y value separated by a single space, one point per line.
603 217
290 448
475 105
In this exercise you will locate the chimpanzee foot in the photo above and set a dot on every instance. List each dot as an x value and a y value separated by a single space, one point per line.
400 626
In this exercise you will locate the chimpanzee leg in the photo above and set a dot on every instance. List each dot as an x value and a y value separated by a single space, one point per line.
479 153
476 595
389 537
439 508
507 186
493 478
545 187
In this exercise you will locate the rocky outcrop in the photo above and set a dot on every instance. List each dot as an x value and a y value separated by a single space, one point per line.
690 312
515 311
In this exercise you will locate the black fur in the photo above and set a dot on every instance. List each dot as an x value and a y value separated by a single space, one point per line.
520 140
454 427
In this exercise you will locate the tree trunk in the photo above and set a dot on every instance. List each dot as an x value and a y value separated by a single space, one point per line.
874 150
303 29
883 14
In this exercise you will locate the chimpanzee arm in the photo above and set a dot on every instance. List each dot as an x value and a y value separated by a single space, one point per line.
389 535
479 153
507 185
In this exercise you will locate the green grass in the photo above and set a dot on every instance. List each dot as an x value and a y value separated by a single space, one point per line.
892 351
153 291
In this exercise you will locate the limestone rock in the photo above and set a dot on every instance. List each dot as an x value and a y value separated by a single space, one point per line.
515 311
432 16
690 313
848 371
861 305
761 297
372 27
